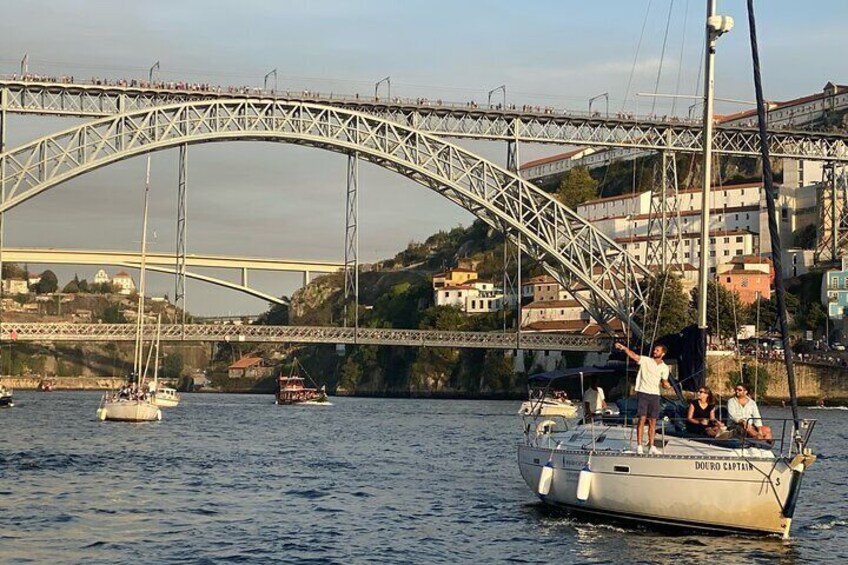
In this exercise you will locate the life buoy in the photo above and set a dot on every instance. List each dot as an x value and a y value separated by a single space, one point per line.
545 427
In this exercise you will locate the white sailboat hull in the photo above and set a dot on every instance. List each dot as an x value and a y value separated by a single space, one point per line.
129 411
688 486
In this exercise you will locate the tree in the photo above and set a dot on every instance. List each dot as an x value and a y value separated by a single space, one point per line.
277 315
113 315
723 320
48 283
172 368
72 287
13 271
755 377
805 238
577 186
667 308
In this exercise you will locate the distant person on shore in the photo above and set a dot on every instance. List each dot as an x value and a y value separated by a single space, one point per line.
594 401
744 413
652 372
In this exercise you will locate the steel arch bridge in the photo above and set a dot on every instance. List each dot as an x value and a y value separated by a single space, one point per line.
574 252
460 121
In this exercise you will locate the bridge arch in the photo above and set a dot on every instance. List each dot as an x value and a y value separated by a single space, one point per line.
573 251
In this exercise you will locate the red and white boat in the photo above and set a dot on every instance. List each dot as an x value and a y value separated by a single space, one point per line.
292 389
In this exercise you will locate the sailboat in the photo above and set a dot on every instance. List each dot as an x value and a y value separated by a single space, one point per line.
736 484
133 402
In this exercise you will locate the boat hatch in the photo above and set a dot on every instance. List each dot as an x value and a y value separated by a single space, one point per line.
575 436
536 460
621 469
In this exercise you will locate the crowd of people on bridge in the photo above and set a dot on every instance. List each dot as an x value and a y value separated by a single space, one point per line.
205 87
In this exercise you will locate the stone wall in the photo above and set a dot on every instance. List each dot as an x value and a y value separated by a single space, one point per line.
812 381
64 383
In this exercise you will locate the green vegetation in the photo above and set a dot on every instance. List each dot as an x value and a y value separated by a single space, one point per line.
577 186
755 377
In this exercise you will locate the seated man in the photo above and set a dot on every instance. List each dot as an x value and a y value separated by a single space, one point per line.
743 412
594 401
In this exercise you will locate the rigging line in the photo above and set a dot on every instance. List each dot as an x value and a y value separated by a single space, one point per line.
680 59
636 56
662 55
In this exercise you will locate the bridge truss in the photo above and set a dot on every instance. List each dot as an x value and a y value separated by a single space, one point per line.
526 126
59 332
575 253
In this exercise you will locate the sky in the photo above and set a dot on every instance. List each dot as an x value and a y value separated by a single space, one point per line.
283 201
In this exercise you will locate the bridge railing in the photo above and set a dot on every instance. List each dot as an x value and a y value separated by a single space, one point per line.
64 331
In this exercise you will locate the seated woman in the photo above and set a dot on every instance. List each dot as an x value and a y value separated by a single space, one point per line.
701 418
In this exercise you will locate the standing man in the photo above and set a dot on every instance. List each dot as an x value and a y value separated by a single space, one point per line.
652 372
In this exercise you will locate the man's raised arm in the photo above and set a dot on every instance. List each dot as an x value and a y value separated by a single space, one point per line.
628 352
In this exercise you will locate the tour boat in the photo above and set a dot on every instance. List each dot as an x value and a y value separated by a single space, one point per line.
45 386
732 484
291 390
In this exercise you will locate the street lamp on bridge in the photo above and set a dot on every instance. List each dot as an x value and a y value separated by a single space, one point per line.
388 81
155 67
501 88
605 96
265 84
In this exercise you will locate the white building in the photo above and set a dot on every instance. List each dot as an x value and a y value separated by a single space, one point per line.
124 282
101 277
473 297
15 286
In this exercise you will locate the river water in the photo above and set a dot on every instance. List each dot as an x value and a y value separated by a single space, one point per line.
235 479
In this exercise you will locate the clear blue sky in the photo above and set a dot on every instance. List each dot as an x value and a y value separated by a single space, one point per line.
282 201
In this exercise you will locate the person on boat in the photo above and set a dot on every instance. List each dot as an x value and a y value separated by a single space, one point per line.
652 372
701 418
745 414
594 400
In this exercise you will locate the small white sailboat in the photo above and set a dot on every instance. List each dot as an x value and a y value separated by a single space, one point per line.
6 399
133 402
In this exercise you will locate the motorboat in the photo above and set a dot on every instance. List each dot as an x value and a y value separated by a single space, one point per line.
292 389
45 386
165 397
548 406
6 399
694 482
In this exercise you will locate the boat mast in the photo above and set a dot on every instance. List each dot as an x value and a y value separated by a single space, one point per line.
715 26
768 185
139 329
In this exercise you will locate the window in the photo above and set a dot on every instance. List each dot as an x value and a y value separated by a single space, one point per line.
712 253
473 304
686 255
726 252
739 252
728 279
739 239
747 216
784 214
727 240
745 282
490 304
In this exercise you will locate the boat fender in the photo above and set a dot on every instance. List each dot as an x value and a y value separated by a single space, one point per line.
546 478
158 415
101 414
545 427
584 483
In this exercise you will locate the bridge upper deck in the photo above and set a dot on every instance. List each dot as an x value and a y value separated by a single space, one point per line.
528 124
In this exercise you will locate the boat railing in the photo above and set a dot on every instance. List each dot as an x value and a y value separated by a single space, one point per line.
786 441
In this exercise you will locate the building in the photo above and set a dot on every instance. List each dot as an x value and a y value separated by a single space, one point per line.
453 277
472 297
15 286
835 291
554 311
750 277
124 283
101 277
250 368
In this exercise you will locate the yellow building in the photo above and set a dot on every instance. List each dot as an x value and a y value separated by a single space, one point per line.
453 277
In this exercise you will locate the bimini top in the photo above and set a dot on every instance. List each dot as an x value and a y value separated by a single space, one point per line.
575 372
